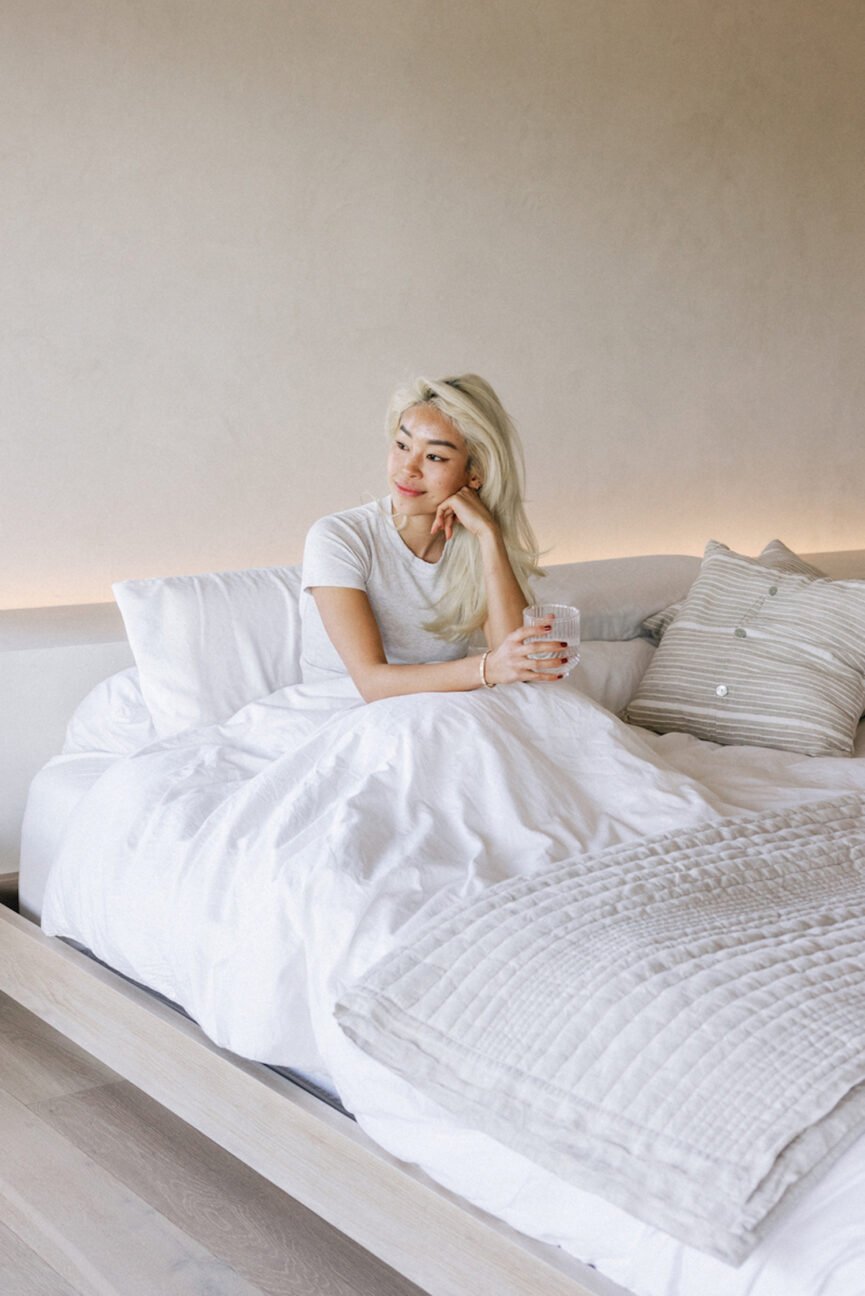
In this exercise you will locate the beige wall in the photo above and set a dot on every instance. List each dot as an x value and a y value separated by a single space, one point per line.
229 227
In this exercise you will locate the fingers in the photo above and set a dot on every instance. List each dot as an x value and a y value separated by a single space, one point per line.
545 661
531 637
522 633
548 668
443 521
528 667
467 510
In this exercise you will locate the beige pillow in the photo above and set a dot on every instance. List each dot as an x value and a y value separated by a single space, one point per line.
760 657
775 555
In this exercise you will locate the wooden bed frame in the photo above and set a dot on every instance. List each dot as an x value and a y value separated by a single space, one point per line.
311 1151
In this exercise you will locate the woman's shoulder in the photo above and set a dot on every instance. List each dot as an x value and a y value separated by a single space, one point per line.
355 531
359 522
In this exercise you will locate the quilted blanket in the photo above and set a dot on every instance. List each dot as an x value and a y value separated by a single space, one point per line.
677 1023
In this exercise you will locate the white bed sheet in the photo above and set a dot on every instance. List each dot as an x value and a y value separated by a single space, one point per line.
274 858
54 793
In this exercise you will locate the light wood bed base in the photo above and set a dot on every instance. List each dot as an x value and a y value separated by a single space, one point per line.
314 1153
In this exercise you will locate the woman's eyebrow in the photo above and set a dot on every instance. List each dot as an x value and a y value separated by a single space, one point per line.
450 445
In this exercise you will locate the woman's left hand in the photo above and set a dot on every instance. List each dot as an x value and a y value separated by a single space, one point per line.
466 509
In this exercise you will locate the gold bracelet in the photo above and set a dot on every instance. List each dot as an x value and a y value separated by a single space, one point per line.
484 679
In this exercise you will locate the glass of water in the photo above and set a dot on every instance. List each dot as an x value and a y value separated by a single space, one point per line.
566 629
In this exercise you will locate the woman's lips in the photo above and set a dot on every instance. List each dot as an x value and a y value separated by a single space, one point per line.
407 490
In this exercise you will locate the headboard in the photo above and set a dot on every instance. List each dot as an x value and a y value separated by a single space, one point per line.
50 658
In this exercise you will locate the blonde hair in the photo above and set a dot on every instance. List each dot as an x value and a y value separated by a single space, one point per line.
496 455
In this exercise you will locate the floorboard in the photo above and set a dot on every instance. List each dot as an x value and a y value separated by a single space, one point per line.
23 1273
37 1063
105 1193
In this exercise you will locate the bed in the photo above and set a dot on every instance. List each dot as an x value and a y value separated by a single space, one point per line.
253 855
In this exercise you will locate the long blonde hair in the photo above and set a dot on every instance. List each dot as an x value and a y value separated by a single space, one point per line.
496 454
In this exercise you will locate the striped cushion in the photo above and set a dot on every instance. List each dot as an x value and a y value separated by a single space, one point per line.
775 555
760 657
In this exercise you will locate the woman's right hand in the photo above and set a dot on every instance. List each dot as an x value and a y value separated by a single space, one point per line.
512 663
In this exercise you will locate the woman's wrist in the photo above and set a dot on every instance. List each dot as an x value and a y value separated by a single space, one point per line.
489 536
485 680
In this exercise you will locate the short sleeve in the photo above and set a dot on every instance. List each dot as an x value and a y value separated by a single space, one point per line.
334 555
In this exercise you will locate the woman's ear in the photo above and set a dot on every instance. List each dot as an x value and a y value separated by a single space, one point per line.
475 482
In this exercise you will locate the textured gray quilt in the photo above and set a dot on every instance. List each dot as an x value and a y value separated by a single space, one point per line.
677 1024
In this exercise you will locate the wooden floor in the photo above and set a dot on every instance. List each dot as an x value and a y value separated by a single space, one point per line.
105 1193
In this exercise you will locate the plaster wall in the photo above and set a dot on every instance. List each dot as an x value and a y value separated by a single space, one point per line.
229 230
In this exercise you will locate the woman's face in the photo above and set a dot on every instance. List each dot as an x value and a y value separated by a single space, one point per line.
428 461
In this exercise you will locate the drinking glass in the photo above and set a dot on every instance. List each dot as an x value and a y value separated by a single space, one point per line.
566 629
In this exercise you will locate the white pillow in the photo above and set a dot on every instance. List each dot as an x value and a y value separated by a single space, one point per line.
615 595
207 645
112 718
609 672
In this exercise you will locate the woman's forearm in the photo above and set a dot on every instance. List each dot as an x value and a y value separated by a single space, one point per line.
383 680
349 622
505 599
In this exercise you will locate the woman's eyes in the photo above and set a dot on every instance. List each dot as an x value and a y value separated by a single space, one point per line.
401 445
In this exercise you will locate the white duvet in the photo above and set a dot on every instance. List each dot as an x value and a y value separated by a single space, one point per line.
253 871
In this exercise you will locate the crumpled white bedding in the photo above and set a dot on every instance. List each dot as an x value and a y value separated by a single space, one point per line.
253 871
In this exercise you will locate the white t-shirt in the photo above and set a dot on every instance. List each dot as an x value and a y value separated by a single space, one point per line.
362 549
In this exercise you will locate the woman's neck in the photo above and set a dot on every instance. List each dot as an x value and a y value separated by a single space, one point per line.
415 535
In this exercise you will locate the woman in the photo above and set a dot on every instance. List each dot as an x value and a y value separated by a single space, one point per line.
394 590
